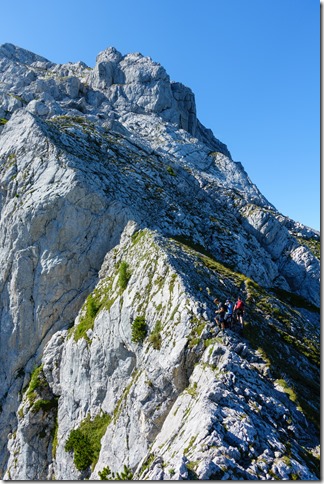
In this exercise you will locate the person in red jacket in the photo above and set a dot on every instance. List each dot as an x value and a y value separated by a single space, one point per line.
239 311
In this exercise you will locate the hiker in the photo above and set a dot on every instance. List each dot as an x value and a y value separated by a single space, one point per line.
220 313
239 310
229 313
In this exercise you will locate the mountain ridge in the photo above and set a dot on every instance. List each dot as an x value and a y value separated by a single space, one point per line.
109 168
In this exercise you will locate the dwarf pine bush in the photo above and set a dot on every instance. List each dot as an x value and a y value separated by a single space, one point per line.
107 475
85 441
123 275
139 329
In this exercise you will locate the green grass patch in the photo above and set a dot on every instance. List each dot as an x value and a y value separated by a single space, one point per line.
189 243
147 464
118 408
37 381
192 389
288 390
100 299
155 338
191 467
55 438
305 347
171 171
212 341
269 340
294 300
196 332
172 282
190 445
137 236
223 270
314 245
92 307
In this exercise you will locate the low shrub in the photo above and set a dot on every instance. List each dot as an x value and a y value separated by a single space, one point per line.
45 405
85 441
170 170
107 475
80 445
139 329
123 275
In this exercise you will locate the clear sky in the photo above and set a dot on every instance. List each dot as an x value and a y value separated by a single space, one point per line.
253 65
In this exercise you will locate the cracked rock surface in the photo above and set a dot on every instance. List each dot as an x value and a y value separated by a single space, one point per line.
120 212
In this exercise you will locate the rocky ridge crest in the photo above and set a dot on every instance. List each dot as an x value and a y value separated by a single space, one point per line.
118 206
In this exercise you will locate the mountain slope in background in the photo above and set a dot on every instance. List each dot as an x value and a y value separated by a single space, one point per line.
122 218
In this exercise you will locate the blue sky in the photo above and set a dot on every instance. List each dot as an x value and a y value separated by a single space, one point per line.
253 65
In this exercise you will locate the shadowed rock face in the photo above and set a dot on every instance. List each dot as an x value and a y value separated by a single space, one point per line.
118 208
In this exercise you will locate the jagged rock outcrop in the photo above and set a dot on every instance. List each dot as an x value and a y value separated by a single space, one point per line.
122 218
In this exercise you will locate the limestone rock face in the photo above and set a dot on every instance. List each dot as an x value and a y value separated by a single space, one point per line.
122 217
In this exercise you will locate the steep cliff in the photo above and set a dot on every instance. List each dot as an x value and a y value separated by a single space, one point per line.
122 218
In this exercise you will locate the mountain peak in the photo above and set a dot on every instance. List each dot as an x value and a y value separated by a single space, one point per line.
122 218
110 54
117 84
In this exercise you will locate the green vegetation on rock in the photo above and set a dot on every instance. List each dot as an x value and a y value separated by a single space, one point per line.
122 399
269 340
314 245
123 275
101 298
44 404
92 307
107 475
139 329
80 445
85 441
170 170
37 381
155 337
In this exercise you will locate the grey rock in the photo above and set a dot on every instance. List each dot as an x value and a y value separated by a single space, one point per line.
118 207
38 107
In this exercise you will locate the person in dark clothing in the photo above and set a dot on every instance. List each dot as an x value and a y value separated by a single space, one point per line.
220 313
229 314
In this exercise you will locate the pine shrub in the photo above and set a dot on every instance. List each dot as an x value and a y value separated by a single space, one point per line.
85 441
81 447
123 275
139 329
